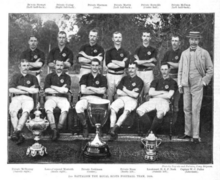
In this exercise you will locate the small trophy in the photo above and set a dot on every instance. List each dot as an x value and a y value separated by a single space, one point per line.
37 126
98 112
151 143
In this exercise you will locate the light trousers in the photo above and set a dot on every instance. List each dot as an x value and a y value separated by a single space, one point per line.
192 99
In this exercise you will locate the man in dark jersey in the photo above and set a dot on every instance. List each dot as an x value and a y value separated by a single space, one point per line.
57 85
22 85
92 86
145 56
117 59
128 91
62 52
90 51
161 90
34 56
172 57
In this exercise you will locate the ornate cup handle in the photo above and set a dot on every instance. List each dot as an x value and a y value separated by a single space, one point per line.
143 141
158 143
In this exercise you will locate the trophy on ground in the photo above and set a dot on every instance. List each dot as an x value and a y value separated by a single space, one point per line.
37 126
98 113
151 143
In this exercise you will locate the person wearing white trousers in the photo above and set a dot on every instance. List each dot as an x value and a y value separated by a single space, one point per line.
195 71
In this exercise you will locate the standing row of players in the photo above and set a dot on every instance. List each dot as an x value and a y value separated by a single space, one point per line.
93 84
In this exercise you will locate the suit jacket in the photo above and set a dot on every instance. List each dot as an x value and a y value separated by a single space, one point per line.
203 64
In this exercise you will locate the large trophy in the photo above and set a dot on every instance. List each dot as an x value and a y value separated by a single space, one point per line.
37 126
98 112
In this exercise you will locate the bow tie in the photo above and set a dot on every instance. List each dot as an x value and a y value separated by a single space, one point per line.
192 50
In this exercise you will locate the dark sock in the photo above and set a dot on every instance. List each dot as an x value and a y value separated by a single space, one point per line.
156 124
53 126
82 118
60 126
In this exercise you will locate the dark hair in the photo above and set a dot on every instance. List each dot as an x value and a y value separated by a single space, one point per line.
61 32
132 62
94 30
95 60
33 35
164 64
58 60
175 35
146 31
116 32
22 61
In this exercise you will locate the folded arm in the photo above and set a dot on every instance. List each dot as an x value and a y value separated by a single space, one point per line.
87 59
36 64
67 64
113 65
144 62
120 63
130 93
31 90
166 95
51 91
17 91
173 65
85 90
100 90
121 93
153 92
62 89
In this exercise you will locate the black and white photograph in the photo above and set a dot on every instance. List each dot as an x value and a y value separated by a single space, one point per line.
110 88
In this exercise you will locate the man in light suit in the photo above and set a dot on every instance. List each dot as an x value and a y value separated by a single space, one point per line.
195 71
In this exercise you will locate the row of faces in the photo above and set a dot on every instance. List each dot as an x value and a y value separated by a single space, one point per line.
117 39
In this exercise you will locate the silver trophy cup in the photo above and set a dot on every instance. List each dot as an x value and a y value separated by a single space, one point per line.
151 143
37 126
98 113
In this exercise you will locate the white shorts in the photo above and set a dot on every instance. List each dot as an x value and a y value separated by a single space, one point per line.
147 77
53 102
23 102
82 104
125 102
113 81
159 104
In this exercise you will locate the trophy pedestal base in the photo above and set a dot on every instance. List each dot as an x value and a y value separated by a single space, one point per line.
150 157
36 149
96 152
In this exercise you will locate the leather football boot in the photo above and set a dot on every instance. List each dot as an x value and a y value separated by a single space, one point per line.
15 136
113 137
85 132
21 139
55 135
114 133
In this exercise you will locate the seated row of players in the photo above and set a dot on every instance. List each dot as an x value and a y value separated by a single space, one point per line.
93 85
